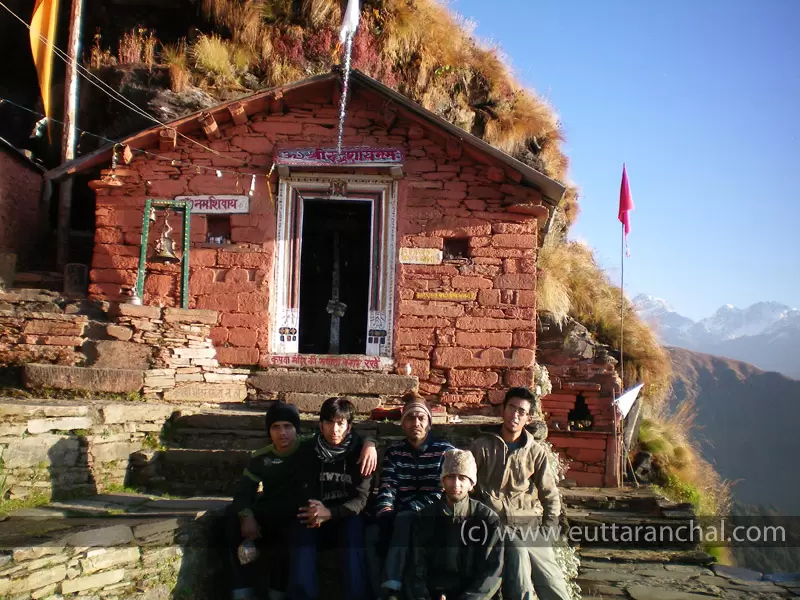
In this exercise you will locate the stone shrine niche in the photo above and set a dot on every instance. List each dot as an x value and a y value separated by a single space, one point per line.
580 417
455 248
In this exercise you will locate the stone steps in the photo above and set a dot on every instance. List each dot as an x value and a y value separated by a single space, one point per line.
188 472
209 439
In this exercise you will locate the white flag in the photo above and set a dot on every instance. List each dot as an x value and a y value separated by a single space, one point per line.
350 22
625 402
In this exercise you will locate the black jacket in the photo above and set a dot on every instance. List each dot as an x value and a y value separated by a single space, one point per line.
460 556
338 484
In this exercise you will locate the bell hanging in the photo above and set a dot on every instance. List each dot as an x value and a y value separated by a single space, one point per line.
165 245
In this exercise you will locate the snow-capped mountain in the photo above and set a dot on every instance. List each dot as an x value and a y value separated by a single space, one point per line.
766 334
730 322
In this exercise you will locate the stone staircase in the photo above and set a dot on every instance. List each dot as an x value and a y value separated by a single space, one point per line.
202 450
204 453
660 570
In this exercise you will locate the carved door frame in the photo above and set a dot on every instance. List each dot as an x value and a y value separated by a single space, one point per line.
381 192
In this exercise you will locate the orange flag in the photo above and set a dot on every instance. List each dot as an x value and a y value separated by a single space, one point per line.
43 25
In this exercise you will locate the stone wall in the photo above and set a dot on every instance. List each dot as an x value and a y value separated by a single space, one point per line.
68 449
41 326
165 353
466 326
105 557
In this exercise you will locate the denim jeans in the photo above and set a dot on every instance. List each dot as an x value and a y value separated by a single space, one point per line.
347 535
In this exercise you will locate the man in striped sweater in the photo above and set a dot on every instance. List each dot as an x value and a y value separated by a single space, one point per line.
410 481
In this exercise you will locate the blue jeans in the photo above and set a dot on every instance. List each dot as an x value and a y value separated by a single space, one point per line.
347 535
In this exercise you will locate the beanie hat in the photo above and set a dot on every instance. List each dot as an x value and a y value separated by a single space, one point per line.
460 462
415 402
280 411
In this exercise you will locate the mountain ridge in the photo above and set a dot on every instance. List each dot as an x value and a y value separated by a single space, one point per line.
745 420
765 334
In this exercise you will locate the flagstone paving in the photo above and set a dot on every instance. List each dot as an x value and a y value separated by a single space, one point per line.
658 573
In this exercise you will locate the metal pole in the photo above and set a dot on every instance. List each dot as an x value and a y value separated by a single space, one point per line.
68 133
622 310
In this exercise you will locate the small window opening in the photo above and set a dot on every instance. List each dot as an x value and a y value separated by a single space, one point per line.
456 248
580 418
219 229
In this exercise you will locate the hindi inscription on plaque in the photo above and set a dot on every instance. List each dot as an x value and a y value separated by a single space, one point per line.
220 204
420 256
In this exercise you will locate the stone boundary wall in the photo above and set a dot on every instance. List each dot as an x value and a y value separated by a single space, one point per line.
172 348
68 450
41 326
134 558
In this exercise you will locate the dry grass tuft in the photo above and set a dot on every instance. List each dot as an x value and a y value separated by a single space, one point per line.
137 46
670 436
212 57
176 58
321 12
98 56
573 283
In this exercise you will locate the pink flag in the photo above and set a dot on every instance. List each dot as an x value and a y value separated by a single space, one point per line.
625 206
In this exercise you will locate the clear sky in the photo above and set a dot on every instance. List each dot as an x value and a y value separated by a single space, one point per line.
701 99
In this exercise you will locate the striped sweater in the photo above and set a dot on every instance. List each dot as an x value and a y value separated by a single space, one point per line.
411 477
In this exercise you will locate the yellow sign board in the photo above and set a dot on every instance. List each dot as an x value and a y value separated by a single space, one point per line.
456 296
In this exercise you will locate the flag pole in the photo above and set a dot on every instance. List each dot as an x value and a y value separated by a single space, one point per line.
68 133
622 308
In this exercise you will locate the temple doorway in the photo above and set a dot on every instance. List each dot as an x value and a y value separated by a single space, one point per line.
335 261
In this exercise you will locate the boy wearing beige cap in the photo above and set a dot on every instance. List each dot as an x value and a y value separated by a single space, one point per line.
456 547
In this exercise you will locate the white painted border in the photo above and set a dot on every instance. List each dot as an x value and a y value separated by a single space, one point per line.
287 316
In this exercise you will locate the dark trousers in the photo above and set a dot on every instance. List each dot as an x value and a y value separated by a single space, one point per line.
389 540
270 569
347 536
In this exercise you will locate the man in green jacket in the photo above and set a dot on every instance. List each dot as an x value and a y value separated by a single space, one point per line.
456 547
510 466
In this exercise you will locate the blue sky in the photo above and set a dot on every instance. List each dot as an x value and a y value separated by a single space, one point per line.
701 99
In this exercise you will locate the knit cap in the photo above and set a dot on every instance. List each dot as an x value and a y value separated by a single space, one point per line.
460 462
280 411
415 402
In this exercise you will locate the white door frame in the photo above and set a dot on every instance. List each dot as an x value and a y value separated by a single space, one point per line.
381 192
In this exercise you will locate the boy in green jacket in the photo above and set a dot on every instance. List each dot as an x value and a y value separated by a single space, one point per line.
265 516
456 547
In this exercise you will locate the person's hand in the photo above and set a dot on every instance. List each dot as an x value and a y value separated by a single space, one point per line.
368 459
314 514
249 527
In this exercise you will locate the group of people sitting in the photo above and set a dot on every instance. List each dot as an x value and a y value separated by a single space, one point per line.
435 529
